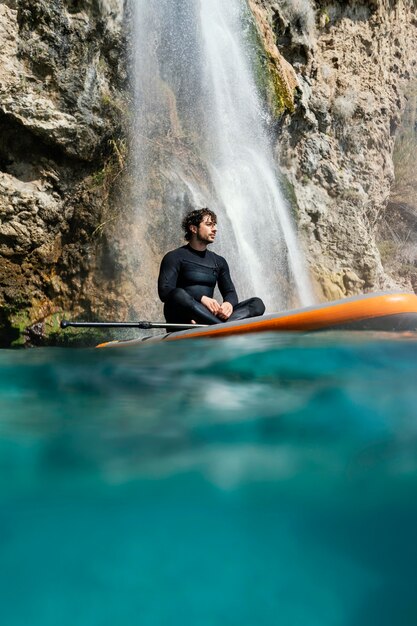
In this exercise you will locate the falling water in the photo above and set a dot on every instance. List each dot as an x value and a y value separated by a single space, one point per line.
200 140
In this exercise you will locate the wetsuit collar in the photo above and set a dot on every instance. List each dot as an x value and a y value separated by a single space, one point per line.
200 253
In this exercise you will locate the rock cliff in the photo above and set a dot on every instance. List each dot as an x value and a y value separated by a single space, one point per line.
354 62
342 71
63 74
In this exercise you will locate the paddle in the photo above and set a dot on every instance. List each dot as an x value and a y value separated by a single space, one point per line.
141 325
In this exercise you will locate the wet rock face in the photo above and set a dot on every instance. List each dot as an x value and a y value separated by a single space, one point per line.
353 62
61 69
63 76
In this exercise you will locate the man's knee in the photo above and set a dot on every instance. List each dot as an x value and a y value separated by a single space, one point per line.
257 307
248 308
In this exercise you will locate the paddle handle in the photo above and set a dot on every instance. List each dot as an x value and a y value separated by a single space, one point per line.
142 325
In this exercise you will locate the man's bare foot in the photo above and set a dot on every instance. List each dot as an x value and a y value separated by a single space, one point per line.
193 322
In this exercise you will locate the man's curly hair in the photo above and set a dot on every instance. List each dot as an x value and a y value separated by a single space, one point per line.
194 218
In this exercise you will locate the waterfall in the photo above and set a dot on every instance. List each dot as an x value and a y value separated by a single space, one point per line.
200 139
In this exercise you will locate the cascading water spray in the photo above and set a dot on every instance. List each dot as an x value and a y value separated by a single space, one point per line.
201 140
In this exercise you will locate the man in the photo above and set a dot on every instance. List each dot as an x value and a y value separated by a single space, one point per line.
188 276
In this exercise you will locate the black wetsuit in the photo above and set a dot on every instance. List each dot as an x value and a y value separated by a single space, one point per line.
186 275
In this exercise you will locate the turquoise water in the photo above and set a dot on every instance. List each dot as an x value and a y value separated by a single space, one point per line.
258 480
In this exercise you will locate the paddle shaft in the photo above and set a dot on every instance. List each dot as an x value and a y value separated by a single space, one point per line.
141 325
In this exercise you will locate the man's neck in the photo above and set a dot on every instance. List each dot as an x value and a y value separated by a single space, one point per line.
198 245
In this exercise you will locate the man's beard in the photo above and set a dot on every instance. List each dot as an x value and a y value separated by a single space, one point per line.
203 240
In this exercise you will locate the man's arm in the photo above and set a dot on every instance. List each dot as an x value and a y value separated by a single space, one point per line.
227 289
168 274
226 286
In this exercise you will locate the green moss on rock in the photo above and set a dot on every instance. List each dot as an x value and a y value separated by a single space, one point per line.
274 76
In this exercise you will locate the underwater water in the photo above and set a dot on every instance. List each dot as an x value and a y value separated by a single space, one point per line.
252 480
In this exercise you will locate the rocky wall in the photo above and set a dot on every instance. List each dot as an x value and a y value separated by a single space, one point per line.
63 77
354 61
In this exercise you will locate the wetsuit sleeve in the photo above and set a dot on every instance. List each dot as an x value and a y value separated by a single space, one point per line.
226 286
168 275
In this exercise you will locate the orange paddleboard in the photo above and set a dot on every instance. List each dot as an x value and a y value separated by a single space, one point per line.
390 312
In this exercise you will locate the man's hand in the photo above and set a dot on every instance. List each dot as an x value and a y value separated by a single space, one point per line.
225 311
211 304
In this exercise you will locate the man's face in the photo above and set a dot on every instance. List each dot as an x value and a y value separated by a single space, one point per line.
206 230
